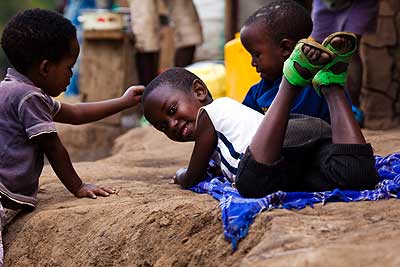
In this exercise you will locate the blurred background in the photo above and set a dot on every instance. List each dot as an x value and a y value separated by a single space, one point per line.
219 59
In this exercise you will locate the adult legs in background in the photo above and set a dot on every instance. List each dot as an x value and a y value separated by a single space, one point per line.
358 17
187 30
146 28
184 56
147 66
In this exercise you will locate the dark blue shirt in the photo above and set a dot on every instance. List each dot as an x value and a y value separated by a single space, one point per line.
260 97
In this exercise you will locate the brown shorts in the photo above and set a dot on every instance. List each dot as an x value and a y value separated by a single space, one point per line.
146 24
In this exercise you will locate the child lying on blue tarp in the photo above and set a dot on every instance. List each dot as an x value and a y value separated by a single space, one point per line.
278 151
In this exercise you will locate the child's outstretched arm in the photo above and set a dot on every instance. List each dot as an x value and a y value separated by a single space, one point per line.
89 112
59 160
205 144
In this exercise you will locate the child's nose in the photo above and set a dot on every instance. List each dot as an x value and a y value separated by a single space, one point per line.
173 123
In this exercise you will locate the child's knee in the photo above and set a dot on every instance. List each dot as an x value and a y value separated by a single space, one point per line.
363 175
354 170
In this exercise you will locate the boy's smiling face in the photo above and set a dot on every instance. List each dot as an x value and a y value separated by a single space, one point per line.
174 111
266 54
58 74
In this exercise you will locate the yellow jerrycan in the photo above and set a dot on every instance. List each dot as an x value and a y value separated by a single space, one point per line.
240 75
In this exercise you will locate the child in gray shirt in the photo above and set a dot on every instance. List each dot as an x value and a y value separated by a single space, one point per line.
42 47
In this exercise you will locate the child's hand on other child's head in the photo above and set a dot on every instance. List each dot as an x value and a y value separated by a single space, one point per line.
92 191
133 94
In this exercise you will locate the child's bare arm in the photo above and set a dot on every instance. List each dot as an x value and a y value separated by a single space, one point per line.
206 141
59 159
88 112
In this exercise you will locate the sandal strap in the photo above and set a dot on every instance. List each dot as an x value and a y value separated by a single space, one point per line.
297 56
292 75
341 57
325 76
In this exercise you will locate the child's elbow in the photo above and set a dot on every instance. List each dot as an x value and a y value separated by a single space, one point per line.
182 178
187 183
187 179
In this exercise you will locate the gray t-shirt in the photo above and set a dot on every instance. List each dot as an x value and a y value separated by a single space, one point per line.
26 111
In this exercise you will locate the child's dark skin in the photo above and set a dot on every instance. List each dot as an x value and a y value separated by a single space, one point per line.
53 78
267 55
174 112
268 140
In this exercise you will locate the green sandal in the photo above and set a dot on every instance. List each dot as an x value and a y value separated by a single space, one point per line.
289 69
325 76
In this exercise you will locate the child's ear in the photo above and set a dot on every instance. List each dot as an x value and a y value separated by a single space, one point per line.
287 47
44 67
200 90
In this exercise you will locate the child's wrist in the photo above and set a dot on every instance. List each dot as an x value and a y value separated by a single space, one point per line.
125 103
79 188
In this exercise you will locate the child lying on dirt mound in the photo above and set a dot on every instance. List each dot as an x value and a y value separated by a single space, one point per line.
42 47
278 151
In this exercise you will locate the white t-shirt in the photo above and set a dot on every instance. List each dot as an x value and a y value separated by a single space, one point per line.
235 125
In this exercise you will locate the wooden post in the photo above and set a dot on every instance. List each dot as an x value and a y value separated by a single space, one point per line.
107 67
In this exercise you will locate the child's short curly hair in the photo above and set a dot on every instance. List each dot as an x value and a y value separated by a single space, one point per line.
177 78
34 35
283 19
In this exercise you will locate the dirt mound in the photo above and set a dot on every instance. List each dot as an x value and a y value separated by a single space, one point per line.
88 142
153 223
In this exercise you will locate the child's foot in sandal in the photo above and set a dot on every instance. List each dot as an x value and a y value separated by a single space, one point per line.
343 45
306 60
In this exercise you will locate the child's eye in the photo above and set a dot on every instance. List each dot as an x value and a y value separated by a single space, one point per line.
172 110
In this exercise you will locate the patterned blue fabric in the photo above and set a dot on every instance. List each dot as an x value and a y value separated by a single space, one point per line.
238 213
